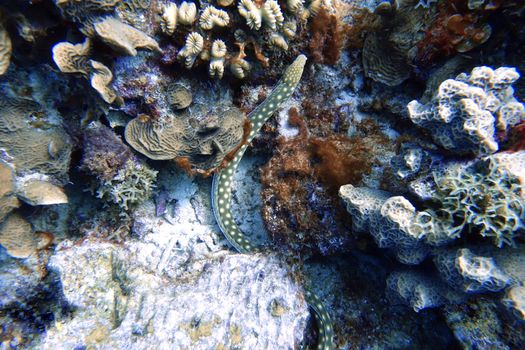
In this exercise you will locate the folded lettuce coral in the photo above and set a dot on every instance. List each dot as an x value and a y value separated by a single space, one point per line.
74 58
5 50
124 37
202 136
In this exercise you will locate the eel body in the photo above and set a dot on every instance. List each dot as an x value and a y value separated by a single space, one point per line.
222 182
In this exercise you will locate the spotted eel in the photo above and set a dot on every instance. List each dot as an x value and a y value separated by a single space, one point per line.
223 180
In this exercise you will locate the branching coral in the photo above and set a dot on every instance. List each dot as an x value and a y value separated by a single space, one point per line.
132 184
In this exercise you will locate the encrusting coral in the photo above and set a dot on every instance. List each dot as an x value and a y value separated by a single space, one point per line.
466 111
8 199
19 239
40 192
29 148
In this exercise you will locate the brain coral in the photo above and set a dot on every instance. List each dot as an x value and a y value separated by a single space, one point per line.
464 113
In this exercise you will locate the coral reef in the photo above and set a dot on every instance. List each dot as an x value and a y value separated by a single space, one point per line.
130 99
132 184
8 199
486 197
19 239
104 153
123 37
327 37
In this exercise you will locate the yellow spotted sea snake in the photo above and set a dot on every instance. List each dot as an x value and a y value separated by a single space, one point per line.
223 179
